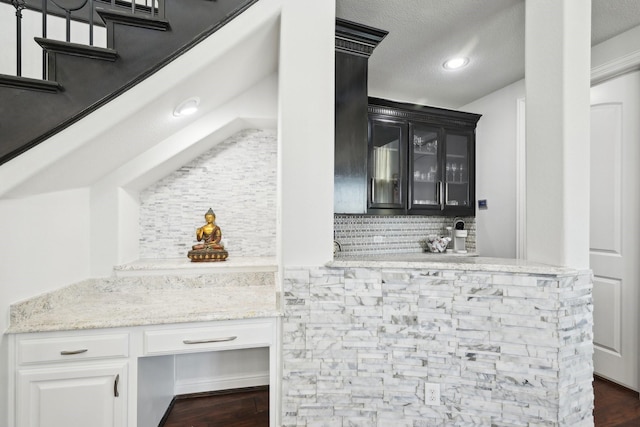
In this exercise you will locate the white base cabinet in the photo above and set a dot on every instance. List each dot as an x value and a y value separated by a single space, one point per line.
72 396
121 377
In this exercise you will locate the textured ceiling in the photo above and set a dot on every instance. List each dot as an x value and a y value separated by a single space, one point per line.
407 65
612 17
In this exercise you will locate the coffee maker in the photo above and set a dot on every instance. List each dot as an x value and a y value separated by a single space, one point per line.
459 237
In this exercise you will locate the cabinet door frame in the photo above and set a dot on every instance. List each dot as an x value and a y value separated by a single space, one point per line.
387 208
423 209
462 210
27 378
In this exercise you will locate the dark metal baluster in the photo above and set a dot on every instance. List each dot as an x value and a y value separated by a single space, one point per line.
19 5
90 22
68 13
44 36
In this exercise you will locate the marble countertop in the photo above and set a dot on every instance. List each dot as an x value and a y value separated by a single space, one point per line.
148 300
149 292
445 261
183 266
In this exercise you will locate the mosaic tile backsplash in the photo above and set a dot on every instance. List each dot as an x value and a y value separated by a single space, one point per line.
391 234
237 179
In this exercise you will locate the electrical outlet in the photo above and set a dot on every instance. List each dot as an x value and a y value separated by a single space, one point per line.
431 394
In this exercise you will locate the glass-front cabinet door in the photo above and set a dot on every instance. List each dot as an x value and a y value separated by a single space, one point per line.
458 169
387 160
421 160
425 174
441 164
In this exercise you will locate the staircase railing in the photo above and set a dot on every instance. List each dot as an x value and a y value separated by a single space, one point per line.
83 11
19 6
81 78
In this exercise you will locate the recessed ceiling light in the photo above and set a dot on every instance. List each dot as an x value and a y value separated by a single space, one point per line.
187 107
455 63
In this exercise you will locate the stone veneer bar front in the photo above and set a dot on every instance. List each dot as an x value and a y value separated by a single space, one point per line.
509 343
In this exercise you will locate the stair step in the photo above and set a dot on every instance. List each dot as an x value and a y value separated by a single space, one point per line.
93 52
124 6
28 83
135 20
86 85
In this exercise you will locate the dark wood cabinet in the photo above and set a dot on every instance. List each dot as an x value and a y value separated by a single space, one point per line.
391 157
421 160
354 44
350 177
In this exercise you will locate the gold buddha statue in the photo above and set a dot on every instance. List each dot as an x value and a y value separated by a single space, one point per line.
211 249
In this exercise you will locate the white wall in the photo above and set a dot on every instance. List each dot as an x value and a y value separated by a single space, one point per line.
306 131
496 170
219 370
496 138
45 245
557 70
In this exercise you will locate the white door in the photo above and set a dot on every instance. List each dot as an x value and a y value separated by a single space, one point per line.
615 214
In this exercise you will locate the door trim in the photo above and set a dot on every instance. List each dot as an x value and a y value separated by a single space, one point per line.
521 180
616 67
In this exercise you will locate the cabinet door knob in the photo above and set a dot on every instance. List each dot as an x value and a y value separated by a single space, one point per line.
69 352
208 340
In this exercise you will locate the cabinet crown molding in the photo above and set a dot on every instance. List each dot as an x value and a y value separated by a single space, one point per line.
433 115
357 39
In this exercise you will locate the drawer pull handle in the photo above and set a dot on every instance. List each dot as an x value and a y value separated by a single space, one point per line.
69 352
208 340
115 386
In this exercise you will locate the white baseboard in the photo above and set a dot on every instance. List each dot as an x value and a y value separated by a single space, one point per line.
199 385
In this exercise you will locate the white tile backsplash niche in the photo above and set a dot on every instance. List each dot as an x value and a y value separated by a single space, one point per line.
236 178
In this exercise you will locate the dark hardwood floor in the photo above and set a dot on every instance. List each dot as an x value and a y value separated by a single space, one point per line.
248 407
615 406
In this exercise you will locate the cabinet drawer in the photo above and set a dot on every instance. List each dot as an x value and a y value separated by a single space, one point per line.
61 349
187 340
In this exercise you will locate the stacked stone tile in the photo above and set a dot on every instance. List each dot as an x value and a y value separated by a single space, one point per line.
508 349
237 178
